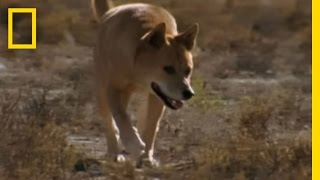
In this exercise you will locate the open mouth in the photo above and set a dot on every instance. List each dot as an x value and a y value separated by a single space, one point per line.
168 101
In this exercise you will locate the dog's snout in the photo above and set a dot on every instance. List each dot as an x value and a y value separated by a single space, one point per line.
187 94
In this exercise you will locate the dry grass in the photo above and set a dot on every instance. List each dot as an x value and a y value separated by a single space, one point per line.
253 116
255 160
252 152
33 146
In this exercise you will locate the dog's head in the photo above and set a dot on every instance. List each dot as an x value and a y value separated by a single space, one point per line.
167 64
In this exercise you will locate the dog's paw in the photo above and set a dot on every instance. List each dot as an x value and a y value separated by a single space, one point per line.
148 161
134 145
121 158
117 157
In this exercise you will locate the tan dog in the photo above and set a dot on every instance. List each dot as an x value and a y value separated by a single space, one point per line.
139 49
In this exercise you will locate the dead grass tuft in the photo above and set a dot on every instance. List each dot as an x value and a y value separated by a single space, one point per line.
255 160
254 114
33 146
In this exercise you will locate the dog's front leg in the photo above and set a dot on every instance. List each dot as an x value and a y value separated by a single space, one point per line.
118 102
148 126
112 134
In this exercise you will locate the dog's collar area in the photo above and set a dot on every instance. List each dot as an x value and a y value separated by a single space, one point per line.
168 101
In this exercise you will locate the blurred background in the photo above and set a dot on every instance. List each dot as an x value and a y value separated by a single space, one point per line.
251 118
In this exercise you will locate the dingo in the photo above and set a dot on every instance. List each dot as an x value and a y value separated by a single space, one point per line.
139 48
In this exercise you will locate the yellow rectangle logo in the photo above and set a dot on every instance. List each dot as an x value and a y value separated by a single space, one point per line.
33 12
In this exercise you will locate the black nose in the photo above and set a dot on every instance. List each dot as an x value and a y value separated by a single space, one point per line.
187 94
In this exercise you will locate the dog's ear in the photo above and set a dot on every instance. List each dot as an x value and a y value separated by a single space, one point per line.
188 37
157 36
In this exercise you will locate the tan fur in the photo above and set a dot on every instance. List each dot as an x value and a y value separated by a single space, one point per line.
100 7
135 43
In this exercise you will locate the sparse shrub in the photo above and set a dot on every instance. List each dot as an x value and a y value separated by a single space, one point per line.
293 111
252 160
33 146
253 115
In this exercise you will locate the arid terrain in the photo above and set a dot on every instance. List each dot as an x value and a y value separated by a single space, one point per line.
250 118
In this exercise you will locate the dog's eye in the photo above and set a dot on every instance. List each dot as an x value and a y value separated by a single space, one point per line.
169 69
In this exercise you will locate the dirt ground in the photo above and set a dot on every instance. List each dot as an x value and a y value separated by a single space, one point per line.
250 118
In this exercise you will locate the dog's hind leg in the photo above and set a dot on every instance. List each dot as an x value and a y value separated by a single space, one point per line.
148 126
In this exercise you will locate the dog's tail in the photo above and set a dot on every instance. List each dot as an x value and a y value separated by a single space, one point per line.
100 7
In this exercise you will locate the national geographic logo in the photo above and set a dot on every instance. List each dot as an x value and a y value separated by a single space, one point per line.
33 12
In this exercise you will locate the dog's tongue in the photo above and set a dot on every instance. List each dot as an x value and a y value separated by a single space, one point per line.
177 104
